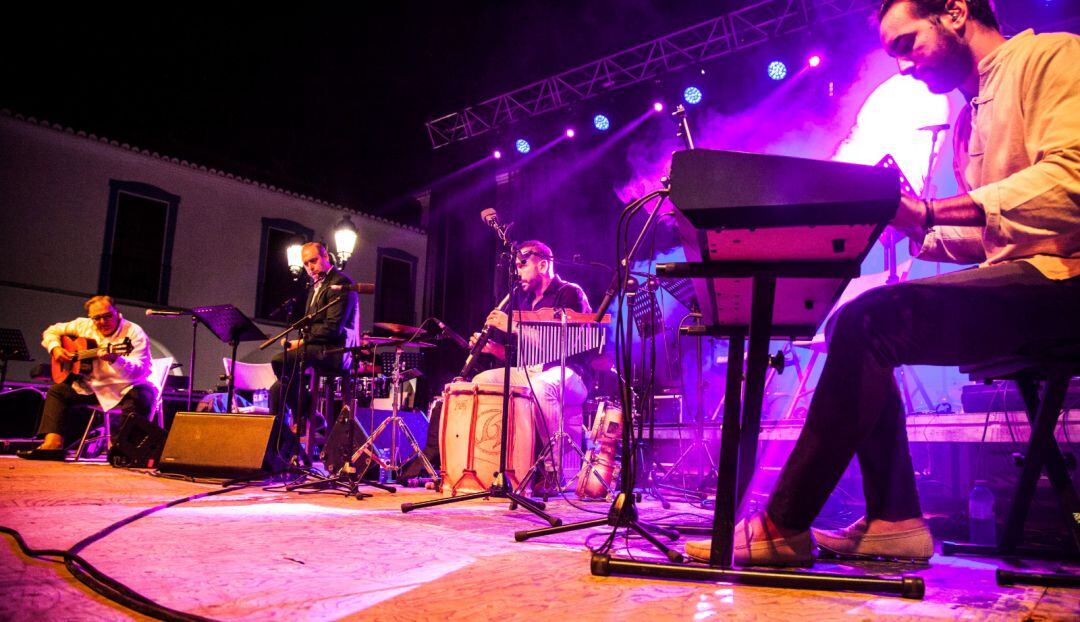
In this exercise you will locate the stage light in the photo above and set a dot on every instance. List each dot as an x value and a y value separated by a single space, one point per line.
523 146
496 154
814 60
601 122
658 106
692 95
344 240
570 133
777 70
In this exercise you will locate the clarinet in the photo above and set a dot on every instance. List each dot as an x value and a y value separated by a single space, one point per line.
485 335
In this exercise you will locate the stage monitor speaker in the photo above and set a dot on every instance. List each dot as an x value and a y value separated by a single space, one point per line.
221 445
137 444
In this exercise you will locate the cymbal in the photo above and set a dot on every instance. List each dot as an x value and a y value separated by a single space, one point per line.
418 344
400 329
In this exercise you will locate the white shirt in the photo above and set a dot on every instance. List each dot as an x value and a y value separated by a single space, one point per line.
109 382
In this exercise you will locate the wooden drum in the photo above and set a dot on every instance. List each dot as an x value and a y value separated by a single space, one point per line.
470 435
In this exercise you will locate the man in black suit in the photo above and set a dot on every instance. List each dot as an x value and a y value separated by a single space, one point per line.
337 326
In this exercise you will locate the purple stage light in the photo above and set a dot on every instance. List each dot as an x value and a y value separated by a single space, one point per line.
658 106
570 133
496 154
692 95
777 70
601 122
523 146
814 60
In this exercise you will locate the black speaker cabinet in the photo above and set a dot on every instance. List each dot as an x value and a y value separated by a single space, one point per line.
222 445
137 444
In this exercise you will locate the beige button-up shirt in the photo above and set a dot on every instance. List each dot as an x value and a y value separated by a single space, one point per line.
109 382
1017 154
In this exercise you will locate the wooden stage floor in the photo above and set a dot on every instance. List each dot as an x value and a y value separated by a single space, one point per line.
258 554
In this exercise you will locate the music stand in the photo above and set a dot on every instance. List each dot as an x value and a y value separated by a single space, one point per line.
12 348
231 326
752 243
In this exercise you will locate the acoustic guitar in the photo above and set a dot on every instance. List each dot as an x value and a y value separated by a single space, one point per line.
86 350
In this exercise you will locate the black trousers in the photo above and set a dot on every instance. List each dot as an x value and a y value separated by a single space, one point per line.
290 384
959 318
61 398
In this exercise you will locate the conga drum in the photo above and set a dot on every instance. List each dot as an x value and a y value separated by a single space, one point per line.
470 435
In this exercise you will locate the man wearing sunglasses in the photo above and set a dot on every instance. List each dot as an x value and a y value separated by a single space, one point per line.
114 379
541 288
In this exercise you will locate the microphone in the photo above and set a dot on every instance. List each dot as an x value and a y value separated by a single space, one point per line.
359 288
166 313
934 128
490 217
451 334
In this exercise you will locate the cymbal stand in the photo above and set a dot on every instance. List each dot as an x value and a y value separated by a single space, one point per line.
556 440
395 424
698 446
348 478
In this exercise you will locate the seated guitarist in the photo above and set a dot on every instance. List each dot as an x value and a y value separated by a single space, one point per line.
114 379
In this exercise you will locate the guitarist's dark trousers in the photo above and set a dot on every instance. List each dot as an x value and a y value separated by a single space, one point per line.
61 398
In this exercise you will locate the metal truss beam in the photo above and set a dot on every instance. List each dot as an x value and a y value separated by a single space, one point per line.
749 26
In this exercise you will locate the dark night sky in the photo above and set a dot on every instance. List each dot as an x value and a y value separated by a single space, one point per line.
324 100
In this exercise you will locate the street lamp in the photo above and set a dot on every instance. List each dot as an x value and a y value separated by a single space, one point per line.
344 240
293 256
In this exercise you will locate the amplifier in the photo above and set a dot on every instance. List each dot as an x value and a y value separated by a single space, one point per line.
1002 395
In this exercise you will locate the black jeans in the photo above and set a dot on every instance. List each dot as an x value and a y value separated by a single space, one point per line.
959 318
61 398
286 367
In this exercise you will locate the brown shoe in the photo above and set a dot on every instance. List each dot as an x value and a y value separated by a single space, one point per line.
910 545
776 550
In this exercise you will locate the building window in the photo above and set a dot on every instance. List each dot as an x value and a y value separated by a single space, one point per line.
277 286
136 264
395 286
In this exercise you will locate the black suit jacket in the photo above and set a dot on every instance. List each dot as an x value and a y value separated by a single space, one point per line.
329 327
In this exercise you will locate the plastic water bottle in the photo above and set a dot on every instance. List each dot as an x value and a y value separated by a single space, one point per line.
981 525
261 398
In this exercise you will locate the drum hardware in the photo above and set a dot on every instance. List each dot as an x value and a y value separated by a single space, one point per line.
339 453
500 487
546 335
599 466
392 462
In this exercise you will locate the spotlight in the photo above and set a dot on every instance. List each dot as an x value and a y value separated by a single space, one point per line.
496 154
658 106
814 60
777 70
692 95
523 146
570 133
601 122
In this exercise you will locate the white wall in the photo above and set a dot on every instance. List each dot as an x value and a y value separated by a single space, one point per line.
54 191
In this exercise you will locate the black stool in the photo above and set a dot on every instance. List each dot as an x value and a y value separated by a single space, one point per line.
1053 368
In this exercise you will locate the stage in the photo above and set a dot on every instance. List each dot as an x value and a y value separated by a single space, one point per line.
258 554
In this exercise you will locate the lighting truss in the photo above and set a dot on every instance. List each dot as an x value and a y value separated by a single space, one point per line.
749 26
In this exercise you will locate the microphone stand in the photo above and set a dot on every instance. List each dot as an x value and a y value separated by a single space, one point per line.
623 511
501 487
